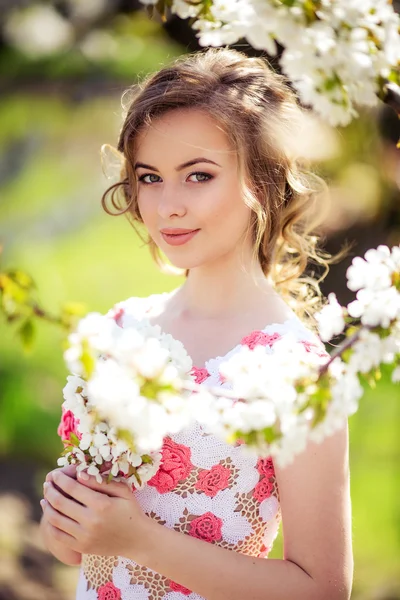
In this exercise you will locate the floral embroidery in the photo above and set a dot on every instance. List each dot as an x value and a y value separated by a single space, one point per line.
265 466
260 338
108 591
177 587
214 480
68 425
175 466
200 375
207 527
263 489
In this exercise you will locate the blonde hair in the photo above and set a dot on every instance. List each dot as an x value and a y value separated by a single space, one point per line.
259 113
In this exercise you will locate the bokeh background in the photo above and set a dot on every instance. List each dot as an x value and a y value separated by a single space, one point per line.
63 68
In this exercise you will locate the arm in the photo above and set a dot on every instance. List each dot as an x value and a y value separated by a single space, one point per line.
316 517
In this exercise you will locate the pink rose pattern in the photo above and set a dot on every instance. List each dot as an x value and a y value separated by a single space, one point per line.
200 375
207 527
212 481
263 489
68 425
108 591
265 486
175 466
176 587
265 466
260 338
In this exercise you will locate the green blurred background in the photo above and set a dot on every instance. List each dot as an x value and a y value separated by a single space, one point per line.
63 67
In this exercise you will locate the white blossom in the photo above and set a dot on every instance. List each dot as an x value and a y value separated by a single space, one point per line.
335 60
330 319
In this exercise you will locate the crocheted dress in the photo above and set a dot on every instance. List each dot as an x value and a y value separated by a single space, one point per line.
204 488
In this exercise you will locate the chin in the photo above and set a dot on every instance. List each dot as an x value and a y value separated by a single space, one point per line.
184 262
185 265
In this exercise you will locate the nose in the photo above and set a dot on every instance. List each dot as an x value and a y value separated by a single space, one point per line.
171 204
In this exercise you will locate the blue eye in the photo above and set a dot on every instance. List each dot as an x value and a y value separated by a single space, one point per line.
207 175
197 173
147 175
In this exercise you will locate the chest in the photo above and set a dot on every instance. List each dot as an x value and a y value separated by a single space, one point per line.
204 340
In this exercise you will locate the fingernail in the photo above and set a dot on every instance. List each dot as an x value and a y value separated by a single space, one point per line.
42 503
83 476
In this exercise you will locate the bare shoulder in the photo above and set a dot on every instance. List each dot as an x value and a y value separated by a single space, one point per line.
316 513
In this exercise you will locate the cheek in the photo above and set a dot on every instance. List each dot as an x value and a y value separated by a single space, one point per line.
229 209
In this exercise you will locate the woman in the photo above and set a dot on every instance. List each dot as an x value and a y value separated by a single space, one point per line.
211 174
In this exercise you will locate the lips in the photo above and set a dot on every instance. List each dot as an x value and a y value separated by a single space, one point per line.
176 236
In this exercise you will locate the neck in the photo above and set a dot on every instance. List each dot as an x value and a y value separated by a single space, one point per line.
224 289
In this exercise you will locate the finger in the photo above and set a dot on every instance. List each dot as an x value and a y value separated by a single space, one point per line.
63 538
64 505
69 470
59 520
113 488
77 491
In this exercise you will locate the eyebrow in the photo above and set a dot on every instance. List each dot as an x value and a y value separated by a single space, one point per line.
189 163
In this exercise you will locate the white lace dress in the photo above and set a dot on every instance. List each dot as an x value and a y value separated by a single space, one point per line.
204 488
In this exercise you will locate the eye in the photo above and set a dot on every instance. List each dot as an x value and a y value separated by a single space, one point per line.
201 175
141 178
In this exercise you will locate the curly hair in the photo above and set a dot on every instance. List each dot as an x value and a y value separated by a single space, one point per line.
259 113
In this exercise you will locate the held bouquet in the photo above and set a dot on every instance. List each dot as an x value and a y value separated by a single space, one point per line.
133 385
123 398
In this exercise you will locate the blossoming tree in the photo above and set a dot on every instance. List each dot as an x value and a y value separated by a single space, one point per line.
338 55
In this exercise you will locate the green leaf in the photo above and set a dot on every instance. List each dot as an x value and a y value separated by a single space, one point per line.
27 334
147 459
125 436
269 434
22 279
87 359
74 439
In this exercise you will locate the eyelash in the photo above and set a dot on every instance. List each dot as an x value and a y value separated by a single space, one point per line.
141 178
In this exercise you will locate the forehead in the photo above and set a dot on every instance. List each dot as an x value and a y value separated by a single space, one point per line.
183 133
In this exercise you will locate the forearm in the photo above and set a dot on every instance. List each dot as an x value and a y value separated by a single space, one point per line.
63 554
217 573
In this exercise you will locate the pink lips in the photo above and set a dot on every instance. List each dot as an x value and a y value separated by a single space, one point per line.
177 236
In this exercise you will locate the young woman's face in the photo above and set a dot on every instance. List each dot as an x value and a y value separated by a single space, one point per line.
194 212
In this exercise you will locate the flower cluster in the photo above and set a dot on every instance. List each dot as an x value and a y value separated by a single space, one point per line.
335 53
287 393
270 385
123 398
134 385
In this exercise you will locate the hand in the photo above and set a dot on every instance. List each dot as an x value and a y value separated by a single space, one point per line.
60 551
93 518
